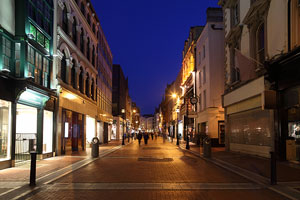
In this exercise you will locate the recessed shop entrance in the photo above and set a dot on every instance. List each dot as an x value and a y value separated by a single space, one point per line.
72 137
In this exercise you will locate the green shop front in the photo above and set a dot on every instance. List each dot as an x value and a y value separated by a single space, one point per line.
26 121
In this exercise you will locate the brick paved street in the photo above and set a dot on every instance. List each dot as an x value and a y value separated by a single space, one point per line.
156 171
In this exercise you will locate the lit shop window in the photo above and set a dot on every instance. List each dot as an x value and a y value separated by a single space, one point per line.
90 129
48 132
5 130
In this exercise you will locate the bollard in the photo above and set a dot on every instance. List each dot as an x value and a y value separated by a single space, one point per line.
207 147
273 168
187 142
95 147
33 168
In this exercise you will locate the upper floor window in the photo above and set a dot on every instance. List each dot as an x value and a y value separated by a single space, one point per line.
73 74
82 8
39 37
81 80
204 75
63 68
260 38
74 31
203 52
204 99
88 49
94 29
87 85
93 56
235 14
89 19
81 41
6 53
65 19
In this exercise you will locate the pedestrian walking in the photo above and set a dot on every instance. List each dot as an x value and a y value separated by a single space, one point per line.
139 137
152 135
156 135
146 137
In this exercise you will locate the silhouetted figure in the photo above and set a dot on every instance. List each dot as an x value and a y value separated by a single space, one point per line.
146 137
139 137
152 135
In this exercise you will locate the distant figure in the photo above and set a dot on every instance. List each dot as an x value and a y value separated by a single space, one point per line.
139 137
146 137
156 135
152 135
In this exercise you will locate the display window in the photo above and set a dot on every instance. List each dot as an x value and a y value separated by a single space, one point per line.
5 130
48 132
90 129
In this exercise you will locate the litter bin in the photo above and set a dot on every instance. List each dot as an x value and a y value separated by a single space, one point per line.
95 147
207 147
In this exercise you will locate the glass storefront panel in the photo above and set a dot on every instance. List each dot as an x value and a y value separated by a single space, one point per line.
26 131
5 130
90 129
48 132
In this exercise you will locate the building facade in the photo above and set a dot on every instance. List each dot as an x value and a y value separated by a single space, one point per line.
27 101
210 78
119 102
250 43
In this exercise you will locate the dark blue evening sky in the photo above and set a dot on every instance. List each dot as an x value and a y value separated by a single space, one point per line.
146 38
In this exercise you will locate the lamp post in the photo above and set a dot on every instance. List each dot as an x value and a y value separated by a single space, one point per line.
177 111
123 113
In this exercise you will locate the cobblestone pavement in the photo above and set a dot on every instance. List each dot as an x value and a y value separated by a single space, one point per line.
154 171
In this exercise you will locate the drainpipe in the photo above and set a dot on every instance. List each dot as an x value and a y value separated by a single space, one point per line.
289 25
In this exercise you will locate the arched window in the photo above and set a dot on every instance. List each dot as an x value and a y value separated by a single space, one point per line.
92 90
81 80
82 8
260 43
63 69
88 49
94 29
87 85
89 19
81 41
74 32
73 74
65 19
93 56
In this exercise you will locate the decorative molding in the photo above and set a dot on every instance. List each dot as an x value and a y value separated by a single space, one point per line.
61 4
60 55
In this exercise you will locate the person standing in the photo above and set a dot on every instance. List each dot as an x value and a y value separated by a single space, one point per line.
146 137
139 137
152 135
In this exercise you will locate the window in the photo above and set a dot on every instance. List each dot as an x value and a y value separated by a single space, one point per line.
204 75
199 58
17 58
88 49
81 80
235 14
81 41
200 102
74 31
200 80
92 90
73 74
30 61
82 8
65 19
93 56
89 19
48 132
5 130
63 68
94 29
260 43
38 68
6 53
203 52
204 99
87 85
46 72
39 37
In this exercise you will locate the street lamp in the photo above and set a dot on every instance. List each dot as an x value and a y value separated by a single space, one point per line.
123 113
